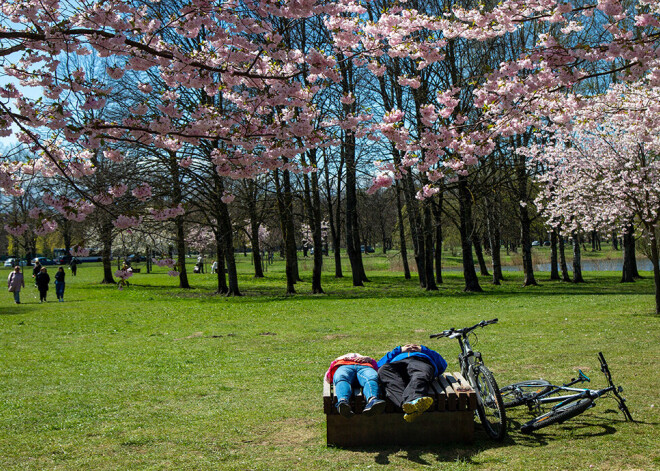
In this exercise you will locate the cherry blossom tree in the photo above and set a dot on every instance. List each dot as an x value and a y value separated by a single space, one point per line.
605 167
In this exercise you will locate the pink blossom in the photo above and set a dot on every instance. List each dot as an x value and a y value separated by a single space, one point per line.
113 155
79 251
16 230
118 190
167 213
426 192
143 192
126 222
381 181
227 197
348 99
124 274
46 227
145 88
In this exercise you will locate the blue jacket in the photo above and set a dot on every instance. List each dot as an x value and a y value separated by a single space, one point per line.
439 363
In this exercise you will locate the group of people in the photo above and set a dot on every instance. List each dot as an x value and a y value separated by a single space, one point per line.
16 281
405 373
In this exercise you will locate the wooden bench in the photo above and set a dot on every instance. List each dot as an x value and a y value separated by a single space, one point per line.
450 419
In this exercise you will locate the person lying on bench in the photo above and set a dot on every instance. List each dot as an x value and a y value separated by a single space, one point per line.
406 373
355 369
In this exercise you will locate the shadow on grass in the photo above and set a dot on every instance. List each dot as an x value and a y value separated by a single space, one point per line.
273 289
579 429
429 455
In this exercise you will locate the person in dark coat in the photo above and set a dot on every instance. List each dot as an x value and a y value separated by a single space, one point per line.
73 264
59 284
43 279
36 269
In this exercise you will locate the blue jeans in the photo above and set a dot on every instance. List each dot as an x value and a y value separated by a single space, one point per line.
348 375
17 296
59 289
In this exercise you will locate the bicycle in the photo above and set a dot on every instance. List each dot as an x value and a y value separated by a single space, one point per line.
489 401
535 393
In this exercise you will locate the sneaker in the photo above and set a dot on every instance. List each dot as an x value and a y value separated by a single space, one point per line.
344 409
412 416
418 405
374 406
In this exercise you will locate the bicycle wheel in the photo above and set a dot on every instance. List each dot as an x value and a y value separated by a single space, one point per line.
489 402
517 394
558 415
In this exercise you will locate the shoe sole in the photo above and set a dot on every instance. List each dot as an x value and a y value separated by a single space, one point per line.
412 416
418 405
345 410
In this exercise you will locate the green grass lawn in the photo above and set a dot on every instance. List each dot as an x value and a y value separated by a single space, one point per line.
153 377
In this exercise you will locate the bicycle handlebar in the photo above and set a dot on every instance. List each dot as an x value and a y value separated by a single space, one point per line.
463 331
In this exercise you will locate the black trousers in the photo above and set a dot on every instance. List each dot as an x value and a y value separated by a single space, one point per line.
406 380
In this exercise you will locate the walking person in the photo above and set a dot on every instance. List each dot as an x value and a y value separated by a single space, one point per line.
43 279
15 282
59 284
406 374
73 264
36 269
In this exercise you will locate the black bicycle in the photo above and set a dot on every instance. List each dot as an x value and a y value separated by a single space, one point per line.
489 402
535 393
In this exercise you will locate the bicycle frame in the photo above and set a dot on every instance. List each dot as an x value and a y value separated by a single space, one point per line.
550 396
489 402
468 358
581 393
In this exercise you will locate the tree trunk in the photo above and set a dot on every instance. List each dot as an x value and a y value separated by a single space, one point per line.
254 234
526 242
220 254
615 241
352 229
577 259
428 243
335 218
480 256
629 272
436 205
562 260
414 221
495 241
66 226
313 202
402 233
226 234
465 209
181 252
656 269
177 198
554 269
106 252
284 205
227 237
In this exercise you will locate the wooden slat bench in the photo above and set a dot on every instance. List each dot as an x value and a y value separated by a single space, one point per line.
450 419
